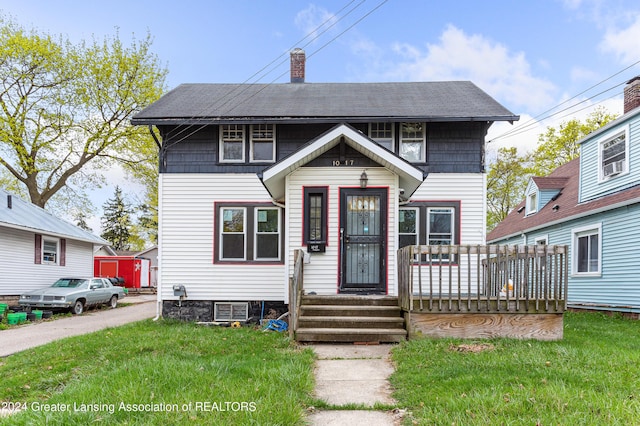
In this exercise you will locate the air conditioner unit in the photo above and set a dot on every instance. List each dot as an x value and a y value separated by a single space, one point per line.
613 169
227 312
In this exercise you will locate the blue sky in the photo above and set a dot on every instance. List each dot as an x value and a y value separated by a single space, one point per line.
531 56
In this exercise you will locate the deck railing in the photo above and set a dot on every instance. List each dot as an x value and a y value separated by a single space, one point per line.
483 278
296 288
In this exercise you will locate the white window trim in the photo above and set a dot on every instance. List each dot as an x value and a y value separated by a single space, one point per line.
222 140
222 234
541 238
50 240
417 233
393 139
256 233
601 177
452 212
579 232
273 145
532 194
423 151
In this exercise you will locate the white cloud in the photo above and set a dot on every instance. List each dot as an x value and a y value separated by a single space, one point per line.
503 74
623 43
314 20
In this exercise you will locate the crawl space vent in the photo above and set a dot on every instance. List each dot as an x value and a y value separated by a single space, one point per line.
231 312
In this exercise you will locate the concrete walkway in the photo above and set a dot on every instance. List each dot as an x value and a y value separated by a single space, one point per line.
17 339
353 374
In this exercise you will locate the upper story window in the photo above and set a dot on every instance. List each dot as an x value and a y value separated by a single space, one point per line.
263 143
532 202
613 155
413 142
382 133
232 143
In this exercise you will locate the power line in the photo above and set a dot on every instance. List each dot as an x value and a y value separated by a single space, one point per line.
535 120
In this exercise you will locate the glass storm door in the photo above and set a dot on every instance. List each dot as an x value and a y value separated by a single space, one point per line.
363 223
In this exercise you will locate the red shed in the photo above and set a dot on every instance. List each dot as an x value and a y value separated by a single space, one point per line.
135 271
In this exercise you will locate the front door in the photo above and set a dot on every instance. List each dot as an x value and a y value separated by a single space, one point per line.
363 232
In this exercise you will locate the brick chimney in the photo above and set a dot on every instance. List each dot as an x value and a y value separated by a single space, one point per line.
298 60
632 94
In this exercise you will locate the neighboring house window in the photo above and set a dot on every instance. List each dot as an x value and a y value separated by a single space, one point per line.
49 250
587 250
263 143
267 227
412 142
248 232
232 143
613 155
382 133
532 203
429 223
315 216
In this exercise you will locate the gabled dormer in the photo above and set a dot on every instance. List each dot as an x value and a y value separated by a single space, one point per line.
542 190
610 156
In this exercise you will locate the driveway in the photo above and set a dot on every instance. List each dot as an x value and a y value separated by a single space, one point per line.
17 339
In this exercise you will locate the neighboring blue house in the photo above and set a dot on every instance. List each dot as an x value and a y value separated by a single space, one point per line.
591 204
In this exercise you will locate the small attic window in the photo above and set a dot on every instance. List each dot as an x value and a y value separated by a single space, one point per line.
532 203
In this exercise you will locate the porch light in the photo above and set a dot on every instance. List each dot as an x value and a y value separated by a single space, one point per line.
363 180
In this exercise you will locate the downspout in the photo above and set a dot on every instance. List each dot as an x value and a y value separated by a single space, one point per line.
158 300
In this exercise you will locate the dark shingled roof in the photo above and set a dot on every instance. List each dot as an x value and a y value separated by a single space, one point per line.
426 101
567 204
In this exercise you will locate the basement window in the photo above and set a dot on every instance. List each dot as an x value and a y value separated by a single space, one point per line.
225 312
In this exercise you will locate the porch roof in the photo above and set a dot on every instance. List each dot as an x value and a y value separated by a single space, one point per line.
273 177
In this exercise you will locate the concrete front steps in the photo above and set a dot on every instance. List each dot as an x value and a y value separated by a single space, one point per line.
350 319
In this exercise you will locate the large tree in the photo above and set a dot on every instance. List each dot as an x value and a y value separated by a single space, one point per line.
509 174
506 181
65 111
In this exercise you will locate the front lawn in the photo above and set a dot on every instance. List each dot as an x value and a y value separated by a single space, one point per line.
591 377
160 373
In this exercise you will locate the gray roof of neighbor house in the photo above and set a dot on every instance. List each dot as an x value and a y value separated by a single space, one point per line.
19 214
304 102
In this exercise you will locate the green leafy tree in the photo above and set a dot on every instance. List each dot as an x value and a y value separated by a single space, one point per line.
65 111
559 146
81 221
116 222
506 182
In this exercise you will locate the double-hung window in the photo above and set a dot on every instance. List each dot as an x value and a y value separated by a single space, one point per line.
382 133
49 251
248 232
587 250
267 238
532 202
233 233
613 155
263 143
232 143
413 142
429 223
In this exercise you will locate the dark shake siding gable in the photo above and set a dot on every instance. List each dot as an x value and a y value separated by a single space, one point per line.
450 147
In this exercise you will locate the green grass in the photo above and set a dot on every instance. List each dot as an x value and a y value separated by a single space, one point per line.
591 377
193 374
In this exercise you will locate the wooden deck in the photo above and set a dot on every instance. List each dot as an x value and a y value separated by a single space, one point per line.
484 291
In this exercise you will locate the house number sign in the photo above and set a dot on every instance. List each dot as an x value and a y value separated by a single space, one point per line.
343 162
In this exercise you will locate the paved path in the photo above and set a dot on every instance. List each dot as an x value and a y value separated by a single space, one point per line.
17 339
353 374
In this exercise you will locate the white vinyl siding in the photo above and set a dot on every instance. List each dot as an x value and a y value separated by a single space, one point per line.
187 203
17 254
322 273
